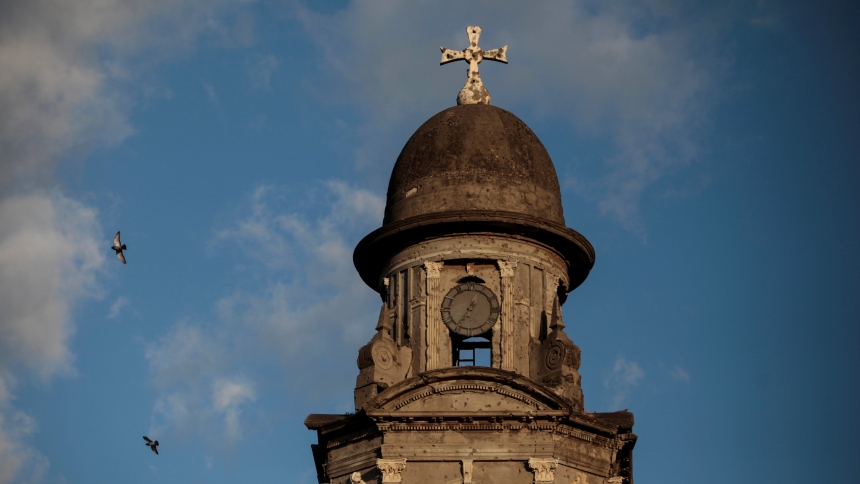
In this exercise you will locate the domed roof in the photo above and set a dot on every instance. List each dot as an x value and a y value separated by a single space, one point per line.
473 168
474 157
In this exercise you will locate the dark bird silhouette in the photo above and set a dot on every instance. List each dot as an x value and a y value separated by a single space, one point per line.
152 445
119 247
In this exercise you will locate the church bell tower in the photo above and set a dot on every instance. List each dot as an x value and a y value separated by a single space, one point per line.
471 376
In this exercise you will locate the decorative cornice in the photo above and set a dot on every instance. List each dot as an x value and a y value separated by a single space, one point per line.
372 252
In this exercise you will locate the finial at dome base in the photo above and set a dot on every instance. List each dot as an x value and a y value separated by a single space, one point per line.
474 91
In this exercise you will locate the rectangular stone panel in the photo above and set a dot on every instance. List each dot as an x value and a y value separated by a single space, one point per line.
432 473
515 472
522 274
403 307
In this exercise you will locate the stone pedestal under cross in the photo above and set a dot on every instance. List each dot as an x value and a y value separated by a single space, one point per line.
474 91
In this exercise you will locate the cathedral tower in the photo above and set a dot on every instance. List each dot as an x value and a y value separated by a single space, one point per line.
471 376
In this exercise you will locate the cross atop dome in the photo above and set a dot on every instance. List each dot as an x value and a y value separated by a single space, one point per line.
474 91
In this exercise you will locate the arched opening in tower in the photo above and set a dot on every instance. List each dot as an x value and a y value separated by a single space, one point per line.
474 351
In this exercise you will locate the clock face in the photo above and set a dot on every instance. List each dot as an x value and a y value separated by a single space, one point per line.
470 309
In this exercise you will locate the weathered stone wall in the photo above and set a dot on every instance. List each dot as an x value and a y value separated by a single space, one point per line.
537 272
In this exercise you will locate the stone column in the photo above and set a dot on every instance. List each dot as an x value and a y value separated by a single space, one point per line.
544 469
506 269
434 317
391 469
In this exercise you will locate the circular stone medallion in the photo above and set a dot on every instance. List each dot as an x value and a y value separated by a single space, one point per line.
555 355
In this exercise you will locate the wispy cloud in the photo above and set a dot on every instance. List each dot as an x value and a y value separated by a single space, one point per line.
69 74
321 288
228 396
16 458
261 68
50 256
639 78
117 306
619 383
680 374
304 312
191 368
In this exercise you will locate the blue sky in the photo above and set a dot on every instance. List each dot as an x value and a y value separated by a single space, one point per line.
708 152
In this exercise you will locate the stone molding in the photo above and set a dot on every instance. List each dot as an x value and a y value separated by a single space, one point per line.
388 400
615 480
391 469
544 469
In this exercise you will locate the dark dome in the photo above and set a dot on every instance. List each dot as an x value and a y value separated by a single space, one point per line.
474 157
473 169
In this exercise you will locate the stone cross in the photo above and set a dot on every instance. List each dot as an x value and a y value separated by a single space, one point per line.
474 91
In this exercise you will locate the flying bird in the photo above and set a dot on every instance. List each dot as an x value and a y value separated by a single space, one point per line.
152 445
119 247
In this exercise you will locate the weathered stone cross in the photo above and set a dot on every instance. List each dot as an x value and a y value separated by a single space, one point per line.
474 91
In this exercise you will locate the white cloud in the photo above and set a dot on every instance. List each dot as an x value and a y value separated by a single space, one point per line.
189 368
69 73
18 460
51 254
317 306
227 396
640 78
51 251
620 382
117 306
680 374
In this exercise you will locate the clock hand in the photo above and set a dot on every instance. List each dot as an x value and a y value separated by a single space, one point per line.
468 310
474 301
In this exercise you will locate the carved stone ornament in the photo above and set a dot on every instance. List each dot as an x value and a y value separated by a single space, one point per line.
391 469
615 480
506 268
544 469
355 478
433 269
383 357
555 355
